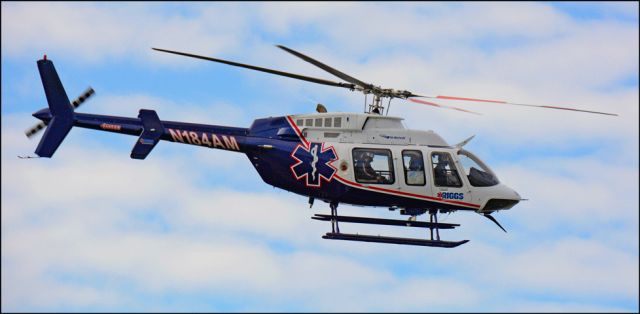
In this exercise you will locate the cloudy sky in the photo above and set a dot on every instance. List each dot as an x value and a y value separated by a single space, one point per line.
197 230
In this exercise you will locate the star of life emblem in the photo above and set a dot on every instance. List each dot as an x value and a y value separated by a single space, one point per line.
314 163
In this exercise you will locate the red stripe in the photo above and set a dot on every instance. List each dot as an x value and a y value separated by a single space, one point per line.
471 99
439 106
295 128
424 102
404 193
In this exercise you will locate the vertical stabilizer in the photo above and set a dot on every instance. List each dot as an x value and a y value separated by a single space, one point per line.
59 106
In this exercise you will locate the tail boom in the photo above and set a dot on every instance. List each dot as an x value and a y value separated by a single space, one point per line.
212 136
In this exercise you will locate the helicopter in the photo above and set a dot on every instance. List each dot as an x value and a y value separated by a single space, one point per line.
363 159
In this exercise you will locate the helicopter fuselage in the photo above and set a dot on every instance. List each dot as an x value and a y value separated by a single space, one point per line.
319 156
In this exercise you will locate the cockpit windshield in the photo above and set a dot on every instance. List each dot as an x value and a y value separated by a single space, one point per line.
477 172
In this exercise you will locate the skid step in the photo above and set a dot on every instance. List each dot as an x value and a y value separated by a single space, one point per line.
392 240
388 222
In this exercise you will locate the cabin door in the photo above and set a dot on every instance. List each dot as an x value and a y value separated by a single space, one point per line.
446 179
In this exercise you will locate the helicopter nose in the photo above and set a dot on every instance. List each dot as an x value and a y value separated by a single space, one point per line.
512 194
43 114
503 197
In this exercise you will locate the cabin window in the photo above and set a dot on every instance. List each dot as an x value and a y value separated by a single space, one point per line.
337 122
373 166
300 122
327 122
319 122
413 167
308 122
444 170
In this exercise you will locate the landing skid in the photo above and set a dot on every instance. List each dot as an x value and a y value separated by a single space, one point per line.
392 240
335 233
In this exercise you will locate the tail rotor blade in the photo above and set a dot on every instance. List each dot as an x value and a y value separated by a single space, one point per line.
78 101
35 129
75 104
424 102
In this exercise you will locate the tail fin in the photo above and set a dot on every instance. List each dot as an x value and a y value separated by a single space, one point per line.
61 110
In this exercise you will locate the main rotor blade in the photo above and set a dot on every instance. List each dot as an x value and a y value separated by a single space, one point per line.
276 72
515 104
424 102
327 68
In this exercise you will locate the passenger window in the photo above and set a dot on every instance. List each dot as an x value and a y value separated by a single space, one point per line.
444 170
308 122
337 122
413 167
373 165
327 122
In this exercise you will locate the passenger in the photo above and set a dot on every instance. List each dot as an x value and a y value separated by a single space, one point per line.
444 172
451 178
415 175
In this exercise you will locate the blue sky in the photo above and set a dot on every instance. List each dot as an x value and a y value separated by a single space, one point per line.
190 229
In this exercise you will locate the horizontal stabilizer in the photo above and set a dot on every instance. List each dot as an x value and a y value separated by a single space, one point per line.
151 133
392 240
388 222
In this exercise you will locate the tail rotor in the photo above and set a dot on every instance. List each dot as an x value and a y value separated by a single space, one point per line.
75 104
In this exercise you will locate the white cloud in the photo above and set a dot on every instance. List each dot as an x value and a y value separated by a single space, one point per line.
153 226
93 33
218 240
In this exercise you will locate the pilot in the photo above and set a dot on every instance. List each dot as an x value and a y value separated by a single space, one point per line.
440 172
364 170
415 175
445 176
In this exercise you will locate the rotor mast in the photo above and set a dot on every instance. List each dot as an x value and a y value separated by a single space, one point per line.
376 106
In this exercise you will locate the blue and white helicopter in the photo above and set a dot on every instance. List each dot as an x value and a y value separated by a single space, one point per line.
366 159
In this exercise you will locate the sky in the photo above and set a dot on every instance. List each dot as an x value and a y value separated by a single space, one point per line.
192 229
